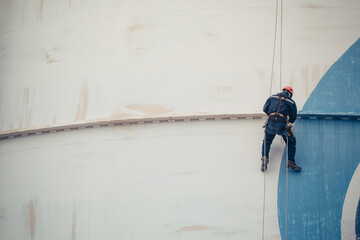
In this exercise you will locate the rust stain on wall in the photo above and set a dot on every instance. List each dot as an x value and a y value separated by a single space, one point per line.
312 6
41 7
304 78
261 73
83 104
73 230
26 96
32 218
226 88
49 59
210 34
149 109
123 116
194 228
137 27
26 107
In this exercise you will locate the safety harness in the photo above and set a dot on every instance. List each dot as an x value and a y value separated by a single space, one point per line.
277 116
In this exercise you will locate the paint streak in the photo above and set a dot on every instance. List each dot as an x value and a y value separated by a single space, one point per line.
32 218
73 230
149 109
83 104
194 228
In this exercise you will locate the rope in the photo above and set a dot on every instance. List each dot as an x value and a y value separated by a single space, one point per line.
281 30
286 188
263 217
264 143
287 137
273 54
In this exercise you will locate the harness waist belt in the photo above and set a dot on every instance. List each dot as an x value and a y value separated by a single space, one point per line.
277 117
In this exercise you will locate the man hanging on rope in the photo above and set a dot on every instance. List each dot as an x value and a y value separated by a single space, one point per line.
282 113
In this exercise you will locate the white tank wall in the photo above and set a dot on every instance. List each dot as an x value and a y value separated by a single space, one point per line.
156 181
75 61
83 61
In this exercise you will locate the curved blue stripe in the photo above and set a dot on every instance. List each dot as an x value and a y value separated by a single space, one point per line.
328 151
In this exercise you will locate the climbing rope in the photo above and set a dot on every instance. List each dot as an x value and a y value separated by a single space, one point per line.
286 182
264 141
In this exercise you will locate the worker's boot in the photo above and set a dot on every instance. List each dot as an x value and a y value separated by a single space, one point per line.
264 163
292 165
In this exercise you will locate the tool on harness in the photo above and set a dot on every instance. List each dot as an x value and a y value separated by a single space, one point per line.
289 129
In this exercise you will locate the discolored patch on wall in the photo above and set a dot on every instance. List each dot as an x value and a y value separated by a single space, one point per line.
261 73
49 59
310 76
210 34
30 208
26 96
73 229
140 50
310 5
83 104
49 54
2 214
194 228
149 109
40 9
26 118
138 27
123 116
226 88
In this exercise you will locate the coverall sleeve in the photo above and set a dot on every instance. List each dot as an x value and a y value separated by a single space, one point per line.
266 106
293 113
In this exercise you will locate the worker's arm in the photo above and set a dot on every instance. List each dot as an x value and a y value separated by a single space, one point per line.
293 113
266 106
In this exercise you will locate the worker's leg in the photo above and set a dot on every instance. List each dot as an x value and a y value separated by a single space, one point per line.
291 146
267 141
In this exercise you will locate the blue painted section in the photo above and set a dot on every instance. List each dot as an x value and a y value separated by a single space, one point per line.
338 91
357 222
329 152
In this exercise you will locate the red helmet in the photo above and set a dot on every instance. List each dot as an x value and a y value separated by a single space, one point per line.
289 89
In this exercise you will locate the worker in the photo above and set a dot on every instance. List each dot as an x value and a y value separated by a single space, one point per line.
282 112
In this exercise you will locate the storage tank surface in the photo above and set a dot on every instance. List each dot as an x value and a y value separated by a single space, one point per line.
143 119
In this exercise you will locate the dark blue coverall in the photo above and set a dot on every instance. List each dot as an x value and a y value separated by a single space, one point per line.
277 126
